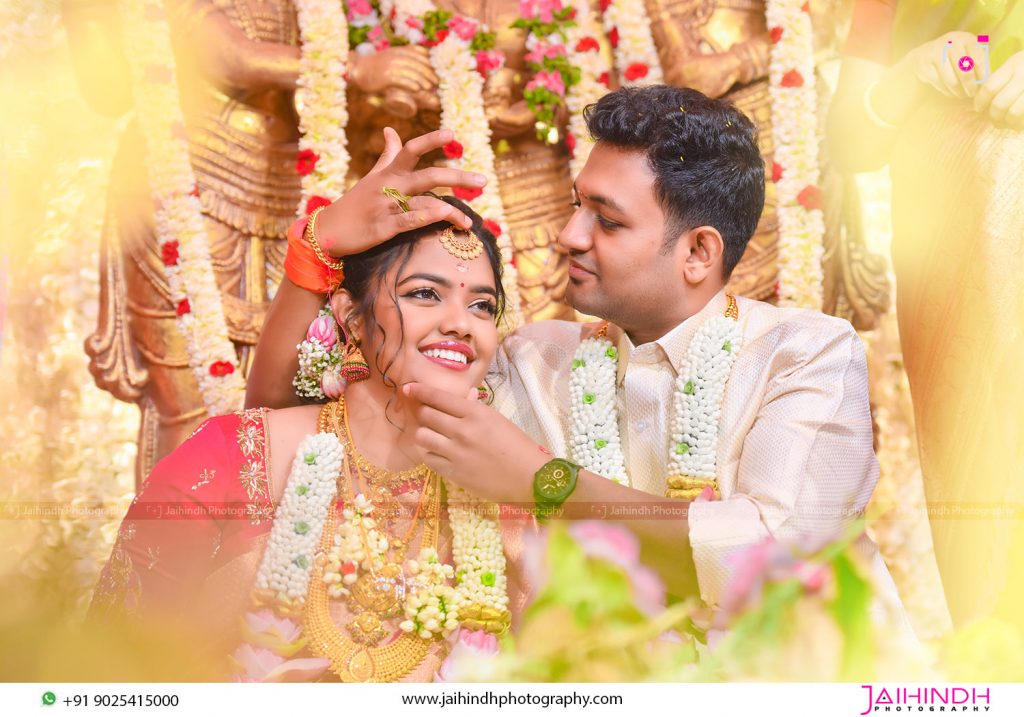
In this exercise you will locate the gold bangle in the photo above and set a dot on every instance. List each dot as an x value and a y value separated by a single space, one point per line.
310 237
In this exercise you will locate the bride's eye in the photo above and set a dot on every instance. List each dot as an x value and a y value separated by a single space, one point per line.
424 293
488 307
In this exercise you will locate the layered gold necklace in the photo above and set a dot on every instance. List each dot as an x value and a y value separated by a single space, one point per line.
377 595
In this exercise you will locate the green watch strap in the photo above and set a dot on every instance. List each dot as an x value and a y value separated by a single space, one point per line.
553 484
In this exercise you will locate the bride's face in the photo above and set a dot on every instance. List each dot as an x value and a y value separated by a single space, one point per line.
435 320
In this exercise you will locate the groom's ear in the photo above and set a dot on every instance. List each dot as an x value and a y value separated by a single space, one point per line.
701 254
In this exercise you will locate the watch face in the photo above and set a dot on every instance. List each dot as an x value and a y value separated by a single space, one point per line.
555 479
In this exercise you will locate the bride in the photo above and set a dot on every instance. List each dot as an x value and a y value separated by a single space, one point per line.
371 564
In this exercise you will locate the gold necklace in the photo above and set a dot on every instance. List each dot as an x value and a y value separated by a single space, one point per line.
361 660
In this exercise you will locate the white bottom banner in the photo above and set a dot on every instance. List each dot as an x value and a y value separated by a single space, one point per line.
707 700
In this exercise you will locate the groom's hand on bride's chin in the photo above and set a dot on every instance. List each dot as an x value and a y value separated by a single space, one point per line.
473 445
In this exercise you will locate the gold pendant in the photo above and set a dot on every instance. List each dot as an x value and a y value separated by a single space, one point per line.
382 591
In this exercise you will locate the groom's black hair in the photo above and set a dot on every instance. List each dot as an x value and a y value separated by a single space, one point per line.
704 155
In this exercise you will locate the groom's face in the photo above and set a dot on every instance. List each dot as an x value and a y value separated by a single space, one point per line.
617 267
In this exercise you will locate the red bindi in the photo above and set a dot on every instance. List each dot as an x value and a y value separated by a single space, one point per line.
461 284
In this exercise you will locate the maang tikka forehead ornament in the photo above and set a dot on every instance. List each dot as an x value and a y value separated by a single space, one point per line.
466 246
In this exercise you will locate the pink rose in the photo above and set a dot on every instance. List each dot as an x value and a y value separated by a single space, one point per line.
473 647
332 383
360 7
462 27
324 330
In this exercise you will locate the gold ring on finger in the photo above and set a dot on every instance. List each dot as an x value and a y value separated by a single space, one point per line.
401 199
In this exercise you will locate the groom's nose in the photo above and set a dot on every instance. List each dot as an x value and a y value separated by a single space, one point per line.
575 238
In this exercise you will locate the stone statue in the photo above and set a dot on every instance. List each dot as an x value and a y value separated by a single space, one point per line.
722 48
238 63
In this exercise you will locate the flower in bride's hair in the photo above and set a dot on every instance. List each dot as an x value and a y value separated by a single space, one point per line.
332 383
467 194
324 330
453 150
493 227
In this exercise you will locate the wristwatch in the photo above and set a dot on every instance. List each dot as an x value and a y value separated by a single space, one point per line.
552 485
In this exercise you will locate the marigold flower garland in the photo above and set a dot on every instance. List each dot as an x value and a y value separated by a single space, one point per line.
697 405
323 155
629 32
795 172
180 232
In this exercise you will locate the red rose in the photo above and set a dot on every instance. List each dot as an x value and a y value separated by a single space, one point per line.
613 37
306 161
570 142
453 150
793 78
588 44
195 190
467 195
635 71
315 202
776 172
493 227
572 13
604 79
169 253
348 567
221 368
810 197
776 33
605 4
512 261
806 7
183 307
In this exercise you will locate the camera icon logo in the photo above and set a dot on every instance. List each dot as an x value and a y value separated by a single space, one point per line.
966 63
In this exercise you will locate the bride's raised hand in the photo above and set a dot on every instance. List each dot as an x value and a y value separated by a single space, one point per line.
365 216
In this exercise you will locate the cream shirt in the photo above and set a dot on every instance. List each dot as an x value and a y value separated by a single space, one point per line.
795 456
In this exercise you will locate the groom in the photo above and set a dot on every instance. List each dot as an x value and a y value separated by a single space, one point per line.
766 431
667 201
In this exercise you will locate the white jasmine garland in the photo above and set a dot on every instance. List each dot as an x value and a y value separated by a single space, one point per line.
794 131
477 551
596 444
320 95
431 604
178 215
460 93
700 388
697 404
589 89
636 44
300 518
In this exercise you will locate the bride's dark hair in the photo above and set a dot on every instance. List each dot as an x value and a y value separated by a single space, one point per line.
364 271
